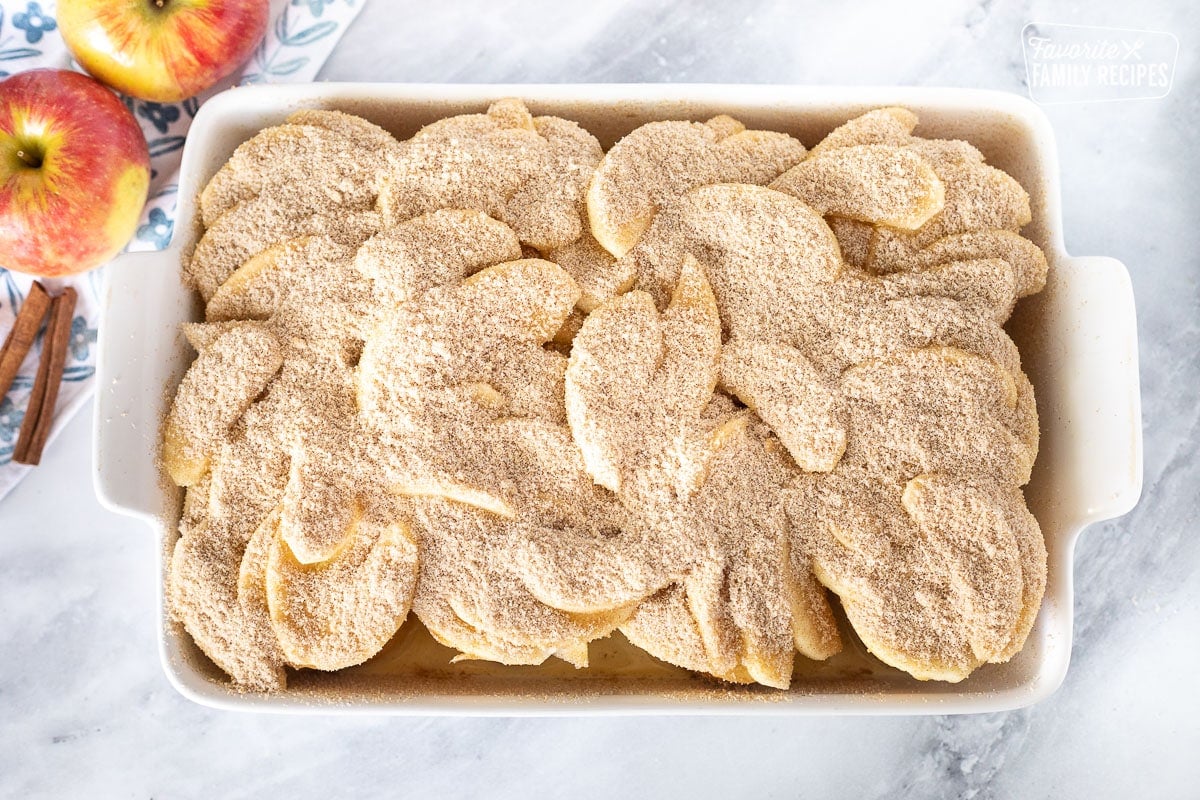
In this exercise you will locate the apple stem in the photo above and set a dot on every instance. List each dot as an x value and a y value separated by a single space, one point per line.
30 159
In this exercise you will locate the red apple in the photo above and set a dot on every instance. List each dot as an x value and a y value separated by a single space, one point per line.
163 50
74 173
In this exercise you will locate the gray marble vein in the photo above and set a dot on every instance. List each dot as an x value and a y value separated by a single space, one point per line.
86 711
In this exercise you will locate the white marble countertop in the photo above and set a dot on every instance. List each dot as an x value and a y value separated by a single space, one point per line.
86 711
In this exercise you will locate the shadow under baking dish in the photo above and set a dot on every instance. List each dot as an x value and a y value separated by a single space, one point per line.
1077 341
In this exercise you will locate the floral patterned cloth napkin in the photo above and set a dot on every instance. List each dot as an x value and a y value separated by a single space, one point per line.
300 37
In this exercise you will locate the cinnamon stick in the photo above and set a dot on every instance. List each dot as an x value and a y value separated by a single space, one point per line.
39 414
21 337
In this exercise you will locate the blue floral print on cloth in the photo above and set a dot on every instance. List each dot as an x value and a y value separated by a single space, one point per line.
35 22
11 418
315 7
157 230
160 115
300 37
82 337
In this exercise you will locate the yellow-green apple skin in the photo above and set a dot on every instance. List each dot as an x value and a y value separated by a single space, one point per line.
162 50
74 172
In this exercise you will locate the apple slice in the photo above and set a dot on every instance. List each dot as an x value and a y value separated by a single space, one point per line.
479 362
341 611
217 389
600 276
978 197
435 249
260 223
361 132
636 376
854 238
780 385
528 172
896 408
663 626
987 287
937 575
307 287
891 126
1026 258
652 166
533 297
203 592
298 165
879 184
316 519
814 626
471 598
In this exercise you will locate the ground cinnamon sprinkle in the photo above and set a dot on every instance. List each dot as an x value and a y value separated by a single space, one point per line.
397 404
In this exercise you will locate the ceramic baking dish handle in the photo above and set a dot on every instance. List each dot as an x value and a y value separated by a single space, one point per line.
140 352
1105 388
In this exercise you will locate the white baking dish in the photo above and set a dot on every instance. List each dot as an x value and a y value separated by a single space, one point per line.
1078 340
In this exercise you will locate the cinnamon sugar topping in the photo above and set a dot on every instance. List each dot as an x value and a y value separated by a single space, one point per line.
436 377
